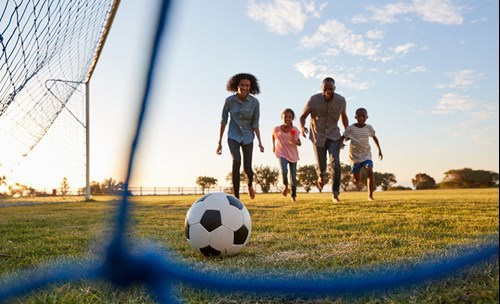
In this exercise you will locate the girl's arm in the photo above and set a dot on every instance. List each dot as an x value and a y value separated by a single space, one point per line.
297 141
274 143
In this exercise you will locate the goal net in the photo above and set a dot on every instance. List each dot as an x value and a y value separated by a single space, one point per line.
48 50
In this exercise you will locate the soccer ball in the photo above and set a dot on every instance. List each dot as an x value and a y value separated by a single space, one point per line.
218 224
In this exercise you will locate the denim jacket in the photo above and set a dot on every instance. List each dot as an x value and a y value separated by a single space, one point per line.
244 118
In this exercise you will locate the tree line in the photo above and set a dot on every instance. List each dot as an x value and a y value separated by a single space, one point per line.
107 187
266 177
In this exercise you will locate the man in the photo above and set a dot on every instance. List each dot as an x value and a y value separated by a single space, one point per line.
325 109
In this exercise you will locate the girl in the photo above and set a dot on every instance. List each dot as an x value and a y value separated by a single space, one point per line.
286 138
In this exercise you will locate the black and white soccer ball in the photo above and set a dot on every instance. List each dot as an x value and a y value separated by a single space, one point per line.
218 224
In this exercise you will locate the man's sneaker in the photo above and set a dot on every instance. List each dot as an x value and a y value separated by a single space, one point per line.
335 198
371 199
293 199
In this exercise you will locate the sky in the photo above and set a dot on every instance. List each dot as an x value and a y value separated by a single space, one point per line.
427 71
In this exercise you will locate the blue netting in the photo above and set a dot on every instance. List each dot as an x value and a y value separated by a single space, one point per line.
124 266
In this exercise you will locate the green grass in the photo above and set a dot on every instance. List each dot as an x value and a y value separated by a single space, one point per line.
401 228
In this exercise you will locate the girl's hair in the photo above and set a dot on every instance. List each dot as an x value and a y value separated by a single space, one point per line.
288 110
232 83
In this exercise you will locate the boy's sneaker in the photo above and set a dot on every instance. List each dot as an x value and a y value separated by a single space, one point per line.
293 199
335 198
371 199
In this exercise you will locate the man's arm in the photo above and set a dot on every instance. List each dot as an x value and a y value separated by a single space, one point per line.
302 121
345 119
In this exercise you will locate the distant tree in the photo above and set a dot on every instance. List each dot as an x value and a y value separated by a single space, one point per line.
18 190
384 180
109 186
469 178
361 185
229 178
345 176
394 188
206 182
423 181
307 176
327 177
3 181
265 177
95 188
112 187
64 187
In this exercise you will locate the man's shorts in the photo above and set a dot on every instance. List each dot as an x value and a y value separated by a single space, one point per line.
365 164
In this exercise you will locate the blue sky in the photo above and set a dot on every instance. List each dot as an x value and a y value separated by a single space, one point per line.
427 71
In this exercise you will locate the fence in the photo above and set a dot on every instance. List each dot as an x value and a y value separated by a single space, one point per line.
140 191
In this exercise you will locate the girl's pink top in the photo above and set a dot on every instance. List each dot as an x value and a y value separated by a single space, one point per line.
285 144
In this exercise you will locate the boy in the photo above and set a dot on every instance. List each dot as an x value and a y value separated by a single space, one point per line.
359 149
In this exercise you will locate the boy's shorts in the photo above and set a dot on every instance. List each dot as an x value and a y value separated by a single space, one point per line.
365 164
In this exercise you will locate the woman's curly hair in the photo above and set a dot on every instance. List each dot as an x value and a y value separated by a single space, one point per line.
232 83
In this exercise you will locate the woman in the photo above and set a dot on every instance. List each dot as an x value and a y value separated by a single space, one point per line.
243 126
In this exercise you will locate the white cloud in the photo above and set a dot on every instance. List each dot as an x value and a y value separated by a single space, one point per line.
452 103
387 14
460 79
478 126
309 70
357 19
479 20
403 49
352 83
418 69
283 16
344 77
310 8
438 11
336 35
434 11
374 34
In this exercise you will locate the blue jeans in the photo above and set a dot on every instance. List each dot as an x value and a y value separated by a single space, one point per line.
234 148
332 147
284 164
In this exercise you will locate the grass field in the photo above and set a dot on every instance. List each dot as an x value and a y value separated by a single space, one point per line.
306 237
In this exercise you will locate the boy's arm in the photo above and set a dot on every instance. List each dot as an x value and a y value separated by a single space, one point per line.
375 139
